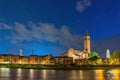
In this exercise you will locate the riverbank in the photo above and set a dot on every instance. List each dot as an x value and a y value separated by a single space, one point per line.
59 67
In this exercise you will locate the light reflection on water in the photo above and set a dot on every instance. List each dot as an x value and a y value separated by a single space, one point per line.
44 74
31 74
4 72
35 74
117 74
99 74
19 72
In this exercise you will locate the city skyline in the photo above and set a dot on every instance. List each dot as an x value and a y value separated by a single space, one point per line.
52 27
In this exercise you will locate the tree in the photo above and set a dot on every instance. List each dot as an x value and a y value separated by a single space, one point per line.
93 56
116 56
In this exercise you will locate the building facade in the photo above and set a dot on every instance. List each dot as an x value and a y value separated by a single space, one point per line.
80 54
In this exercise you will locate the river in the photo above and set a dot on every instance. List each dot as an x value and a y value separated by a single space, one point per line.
36 74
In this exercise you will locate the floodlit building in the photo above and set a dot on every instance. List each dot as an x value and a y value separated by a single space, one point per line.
64 60
47 59
108 54
87 43
80 54
5 58
20 52
23 60
33 59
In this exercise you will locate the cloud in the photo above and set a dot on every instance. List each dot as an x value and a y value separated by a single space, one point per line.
4 26
42 32
81 5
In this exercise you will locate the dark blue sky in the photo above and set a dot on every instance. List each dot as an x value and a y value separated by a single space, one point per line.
52 26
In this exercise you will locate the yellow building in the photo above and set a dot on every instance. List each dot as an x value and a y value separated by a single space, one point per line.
5 58
23 60
15 59
47 59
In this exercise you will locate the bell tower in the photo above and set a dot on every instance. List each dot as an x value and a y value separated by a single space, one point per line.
20 54
87 43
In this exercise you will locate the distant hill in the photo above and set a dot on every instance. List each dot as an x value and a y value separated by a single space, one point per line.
112 43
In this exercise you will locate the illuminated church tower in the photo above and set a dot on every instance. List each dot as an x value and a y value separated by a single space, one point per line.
20 54
87 43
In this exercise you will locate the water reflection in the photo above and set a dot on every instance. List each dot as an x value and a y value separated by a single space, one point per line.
19 72
31 75
76 74
34 74
105 74
99 74
5 72
81 74
44 74
116 74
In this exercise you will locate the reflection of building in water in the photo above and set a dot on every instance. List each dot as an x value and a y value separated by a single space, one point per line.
80 54
31 73
44 72
81 75
99 74
4 72
19 72
116 74
109 75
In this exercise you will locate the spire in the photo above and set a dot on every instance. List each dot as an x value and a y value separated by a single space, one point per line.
86 33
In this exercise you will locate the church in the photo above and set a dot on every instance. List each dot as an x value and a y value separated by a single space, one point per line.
80 54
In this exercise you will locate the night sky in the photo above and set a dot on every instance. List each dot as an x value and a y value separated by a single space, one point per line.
54 26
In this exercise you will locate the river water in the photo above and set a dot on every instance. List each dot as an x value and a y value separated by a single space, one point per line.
36 74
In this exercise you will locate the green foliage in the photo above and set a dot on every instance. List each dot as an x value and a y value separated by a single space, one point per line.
93 56
116 55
